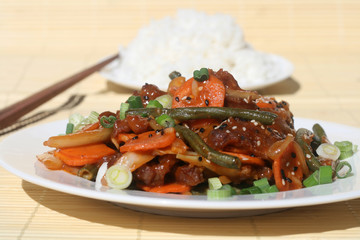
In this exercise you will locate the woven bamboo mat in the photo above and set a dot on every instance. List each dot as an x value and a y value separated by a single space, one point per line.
44 41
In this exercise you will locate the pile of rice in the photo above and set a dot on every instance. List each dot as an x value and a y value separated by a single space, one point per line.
189 41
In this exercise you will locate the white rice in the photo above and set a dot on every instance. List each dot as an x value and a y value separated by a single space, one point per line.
189 41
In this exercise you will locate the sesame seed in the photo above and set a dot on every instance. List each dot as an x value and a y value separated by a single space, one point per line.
256 123
245 158
183 98
177 99
292 173
287 164
188 98
146 97
252 121
177 134
245 100
308 156
283 181
258 143
206 102
227 131
234 127
244 128
200 88
262 127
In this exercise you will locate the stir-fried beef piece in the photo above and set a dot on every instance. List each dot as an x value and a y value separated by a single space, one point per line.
249 136
153 173
137 123
189 175
227 79
149 92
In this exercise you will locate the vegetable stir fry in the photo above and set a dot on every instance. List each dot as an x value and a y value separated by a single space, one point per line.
203 135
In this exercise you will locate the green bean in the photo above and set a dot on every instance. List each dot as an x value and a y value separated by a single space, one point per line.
88 171
311 160
319 134
183 114
199 146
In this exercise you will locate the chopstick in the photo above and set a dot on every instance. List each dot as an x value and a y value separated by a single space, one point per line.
10 114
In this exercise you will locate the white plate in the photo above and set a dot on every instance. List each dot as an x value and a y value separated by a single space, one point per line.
284 69
18 151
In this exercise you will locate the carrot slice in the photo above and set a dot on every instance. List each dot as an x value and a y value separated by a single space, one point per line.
168 188
247 159
150 140
265 103
201 94
81 155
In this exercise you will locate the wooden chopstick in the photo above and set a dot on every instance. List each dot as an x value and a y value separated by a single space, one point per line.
10 114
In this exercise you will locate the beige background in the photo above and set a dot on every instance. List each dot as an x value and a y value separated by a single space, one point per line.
42 42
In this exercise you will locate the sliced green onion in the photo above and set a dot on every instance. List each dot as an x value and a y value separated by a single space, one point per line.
69 128
118 176
344 155
218 194
154 104
76 118
165 120
165 100
312 180
135 102
343 169
328 151
214 183
262 184
93 117
272 189
79 121
250 190
107 122
174 74
232 189
325 174
123 108
344 146
201 75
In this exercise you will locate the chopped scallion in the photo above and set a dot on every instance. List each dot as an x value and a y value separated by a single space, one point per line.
218 194
328 151
154 104
165 100
201 75
344 146
325 174
123 108
165 120
262 184
343 169
118 176
214 183
107 122
312 180
69 128
135 102
250 190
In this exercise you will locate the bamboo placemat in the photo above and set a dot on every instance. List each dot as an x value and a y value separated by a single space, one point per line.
44 41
